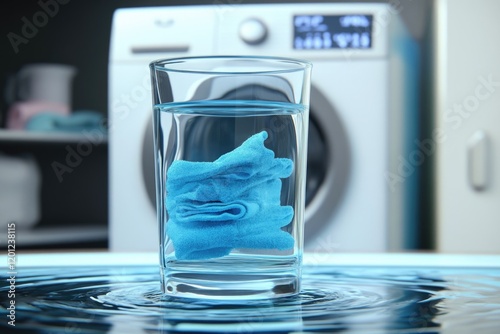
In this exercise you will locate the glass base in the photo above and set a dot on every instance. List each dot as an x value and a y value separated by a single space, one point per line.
231 278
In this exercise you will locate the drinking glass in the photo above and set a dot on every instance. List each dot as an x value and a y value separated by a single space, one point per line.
230 142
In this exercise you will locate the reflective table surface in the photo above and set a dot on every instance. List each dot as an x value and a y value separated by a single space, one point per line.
352 293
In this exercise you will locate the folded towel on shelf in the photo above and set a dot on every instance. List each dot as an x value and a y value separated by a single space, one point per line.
233 202
21 112
74 122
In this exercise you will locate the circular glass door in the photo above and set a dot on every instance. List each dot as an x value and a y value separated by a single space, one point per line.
328 161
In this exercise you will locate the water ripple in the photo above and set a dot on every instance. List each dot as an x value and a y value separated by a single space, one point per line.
129 300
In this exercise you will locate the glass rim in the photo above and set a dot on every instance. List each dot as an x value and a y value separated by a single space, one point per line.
296 65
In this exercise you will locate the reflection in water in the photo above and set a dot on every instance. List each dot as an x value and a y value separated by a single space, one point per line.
333 299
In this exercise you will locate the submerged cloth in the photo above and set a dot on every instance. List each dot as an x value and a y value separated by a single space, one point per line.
233 202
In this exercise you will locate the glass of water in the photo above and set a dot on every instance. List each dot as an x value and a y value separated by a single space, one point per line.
230 140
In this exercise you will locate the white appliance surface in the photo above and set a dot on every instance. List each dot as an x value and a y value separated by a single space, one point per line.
358 99
467 121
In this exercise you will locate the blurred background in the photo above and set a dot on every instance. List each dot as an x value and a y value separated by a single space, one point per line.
437 63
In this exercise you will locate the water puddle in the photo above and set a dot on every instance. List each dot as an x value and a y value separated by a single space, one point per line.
333 299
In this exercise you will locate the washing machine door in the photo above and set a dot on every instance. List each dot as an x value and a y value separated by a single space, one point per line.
328 165
328 162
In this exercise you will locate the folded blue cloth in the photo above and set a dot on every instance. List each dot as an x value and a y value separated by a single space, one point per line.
76 121
233 202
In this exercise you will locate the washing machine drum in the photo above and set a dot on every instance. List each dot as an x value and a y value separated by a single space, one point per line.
327 156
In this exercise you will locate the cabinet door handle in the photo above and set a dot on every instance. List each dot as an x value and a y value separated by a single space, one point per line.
478 160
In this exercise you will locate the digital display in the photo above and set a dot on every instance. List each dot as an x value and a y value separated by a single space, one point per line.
316 32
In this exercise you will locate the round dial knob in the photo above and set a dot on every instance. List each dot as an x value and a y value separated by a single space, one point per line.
253 31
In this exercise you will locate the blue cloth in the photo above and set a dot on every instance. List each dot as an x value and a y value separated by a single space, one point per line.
77 121
233 202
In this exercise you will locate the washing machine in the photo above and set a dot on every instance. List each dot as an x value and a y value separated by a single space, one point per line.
361 195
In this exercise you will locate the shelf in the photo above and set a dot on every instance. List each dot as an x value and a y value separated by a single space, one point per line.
21 136
53 236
